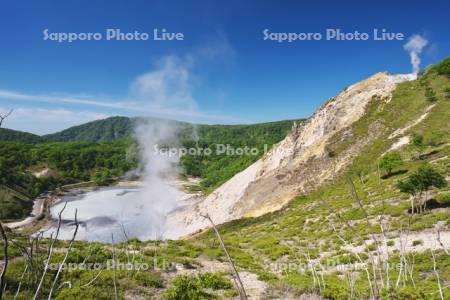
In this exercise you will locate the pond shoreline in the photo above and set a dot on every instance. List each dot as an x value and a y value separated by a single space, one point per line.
43 202
103 208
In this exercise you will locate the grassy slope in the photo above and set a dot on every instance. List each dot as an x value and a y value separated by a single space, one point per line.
302 227
284 235
13 205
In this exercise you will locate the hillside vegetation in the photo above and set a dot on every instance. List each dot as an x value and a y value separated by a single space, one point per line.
114 152
356 237
329 225
106 130
68 162
20 136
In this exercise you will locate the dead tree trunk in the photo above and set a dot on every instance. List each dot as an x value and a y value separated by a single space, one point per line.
375 263
240 287
441 243
20 282
114 267
441 293
3 117
369 281
65 257
50 253
5 258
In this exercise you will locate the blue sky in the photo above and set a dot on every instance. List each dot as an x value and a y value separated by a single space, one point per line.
222 72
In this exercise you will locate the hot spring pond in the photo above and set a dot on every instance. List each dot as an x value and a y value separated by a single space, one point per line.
108 213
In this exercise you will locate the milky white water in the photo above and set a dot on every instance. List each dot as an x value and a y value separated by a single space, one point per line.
108 212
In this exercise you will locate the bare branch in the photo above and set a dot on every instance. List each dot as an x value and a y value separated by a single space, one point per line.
366 217
369 281
241 288
3 117
92 280
126 243
114 271
20 282
65 257
5 258
374 287
441 243
68 283
50 253
437 275
386 265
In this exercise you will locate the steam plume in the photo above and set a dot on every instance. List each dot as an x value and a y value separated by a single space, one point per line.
157 198
167 87
414 46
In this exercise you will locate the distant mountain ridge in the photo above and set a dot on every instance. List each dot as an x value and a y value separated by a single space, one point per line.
118 127
96 131
10 135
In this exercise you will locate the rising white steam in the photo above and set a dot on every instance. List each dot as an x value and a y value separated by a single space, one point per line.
165 92
414 46
131 213
168 87
157 198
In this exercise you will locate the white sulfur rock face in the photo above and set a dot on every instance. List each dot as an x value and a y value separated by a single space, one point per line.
288 168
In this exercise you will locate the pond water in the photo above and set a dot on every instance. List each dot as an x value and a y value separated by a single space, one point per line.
109 213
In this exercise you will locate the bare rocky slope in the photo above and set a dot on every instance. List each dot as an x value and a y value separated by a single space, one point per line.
304 159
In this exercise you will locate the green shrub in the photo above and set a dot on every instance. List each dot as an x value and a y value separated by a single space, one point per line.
193 287
215 281
418 143
372 247
434 138
430 94
186 288
443 199
148 279
405 293
390 161
353 214
334 289
447 93
84 293
443 68
417 242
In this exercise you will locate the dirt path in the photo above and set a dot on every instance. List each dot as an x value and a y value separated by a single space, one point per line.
401 131
38 209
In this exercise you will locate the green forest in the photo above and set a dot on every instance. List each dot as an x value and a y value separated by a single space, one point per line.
101 159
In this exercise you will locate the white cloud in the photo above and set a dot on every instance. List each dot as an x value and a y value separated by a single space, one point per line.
127 106
166 91
217 49
43 121
60 99
167 88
